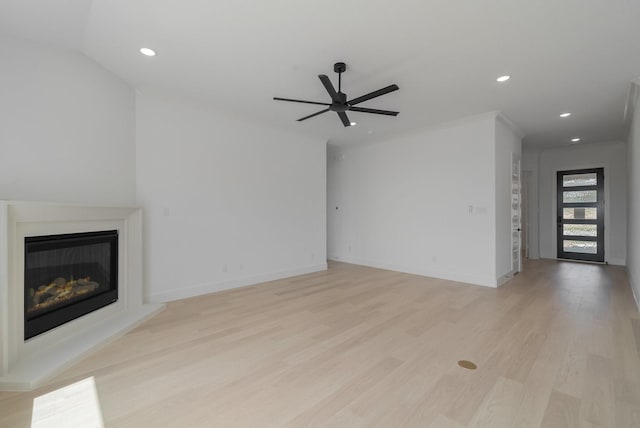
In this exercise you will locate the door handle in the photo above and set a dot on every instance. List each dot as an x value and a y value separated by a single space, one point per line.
559 221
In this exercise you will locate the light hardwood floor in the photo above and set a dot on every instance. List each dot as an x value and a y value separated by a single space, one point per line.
557 346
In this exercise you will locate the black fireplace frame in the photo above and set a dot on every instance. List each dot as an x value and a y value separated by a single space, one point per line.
63 314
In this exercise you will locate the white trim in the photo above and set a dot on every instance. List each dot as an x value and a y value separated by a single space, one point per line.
632 100
505 278
617 262
509 124
633 288
4 290
450 276
213 287
431 128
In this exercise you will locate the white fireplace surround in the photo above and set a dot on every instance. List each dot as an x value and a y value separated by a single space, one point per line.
25 365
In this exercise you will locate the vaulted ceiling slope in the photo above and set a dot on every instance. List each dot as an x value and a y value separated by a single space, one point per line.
572 55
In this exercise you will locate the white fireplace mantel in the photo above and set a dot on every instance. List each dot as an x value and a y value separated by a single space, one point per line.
25 365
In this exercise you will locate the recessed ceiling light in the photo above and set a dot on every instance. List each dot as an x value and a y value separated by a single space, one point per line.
147 52
575 140
353 123
565 114
503 78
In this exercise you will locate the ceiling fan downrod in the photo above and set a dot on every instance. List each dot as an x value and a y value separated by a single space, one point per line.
339 67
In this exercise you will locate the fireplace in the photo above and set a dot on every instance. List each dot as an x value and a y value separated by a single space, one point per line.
68 276
29 364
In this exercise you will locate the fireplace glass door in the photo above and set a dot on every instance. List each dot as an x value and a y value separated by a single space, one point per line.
67 276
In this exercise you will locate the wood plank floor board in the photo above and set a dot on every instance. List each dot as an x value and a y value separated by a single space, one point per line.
498 409
598 395
557 346
445 390
443 422
563 411
627 415
324 409
572 371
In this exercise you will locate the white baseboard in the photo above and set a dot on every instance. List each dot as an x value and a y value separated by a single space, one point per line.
200 289
504 278
617 262
448 275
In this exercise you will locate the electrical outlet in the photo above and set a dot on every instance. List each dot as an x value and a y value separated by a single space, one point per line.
225 268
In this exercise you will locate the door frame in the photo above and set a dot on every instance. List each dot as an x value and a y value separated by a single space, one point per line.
516 229
526 181
602 206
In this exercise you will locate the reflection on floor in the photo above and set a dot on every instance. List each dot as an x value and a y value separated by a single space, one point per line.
73 406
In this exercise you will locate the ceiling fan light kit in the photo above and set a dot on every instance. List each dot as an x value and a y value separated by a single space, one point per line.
339 103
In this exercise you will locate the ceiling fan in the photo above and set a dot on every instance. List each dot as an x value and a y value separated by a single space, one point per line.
339 102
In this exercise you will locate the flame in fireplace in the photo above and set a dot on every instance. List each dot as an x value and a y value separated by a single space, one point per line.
60 291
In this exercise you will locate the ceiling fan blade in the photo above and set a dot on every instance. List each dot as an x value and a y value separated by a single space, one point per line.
373 94
344 118
314 114
329 87
374 111
300 101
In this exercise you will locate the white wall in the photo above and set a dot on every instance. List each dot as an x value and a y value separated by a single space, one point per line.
611 156
507 144
633 201
404 204
67 128
227 203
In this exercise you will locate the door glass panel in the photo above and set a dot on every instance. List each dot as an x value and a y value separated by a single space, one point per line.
585 247
573 180
580 196
580 213
580 230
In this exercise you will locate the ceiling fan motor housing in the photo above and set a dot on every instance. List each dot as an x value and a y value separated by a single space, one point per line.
342 105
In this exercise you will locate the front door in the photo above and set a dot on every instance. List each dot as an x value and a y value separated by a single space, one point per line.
581 215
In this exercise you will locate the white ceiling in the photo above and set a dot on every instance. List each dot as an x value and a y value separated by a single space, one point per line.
570 55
